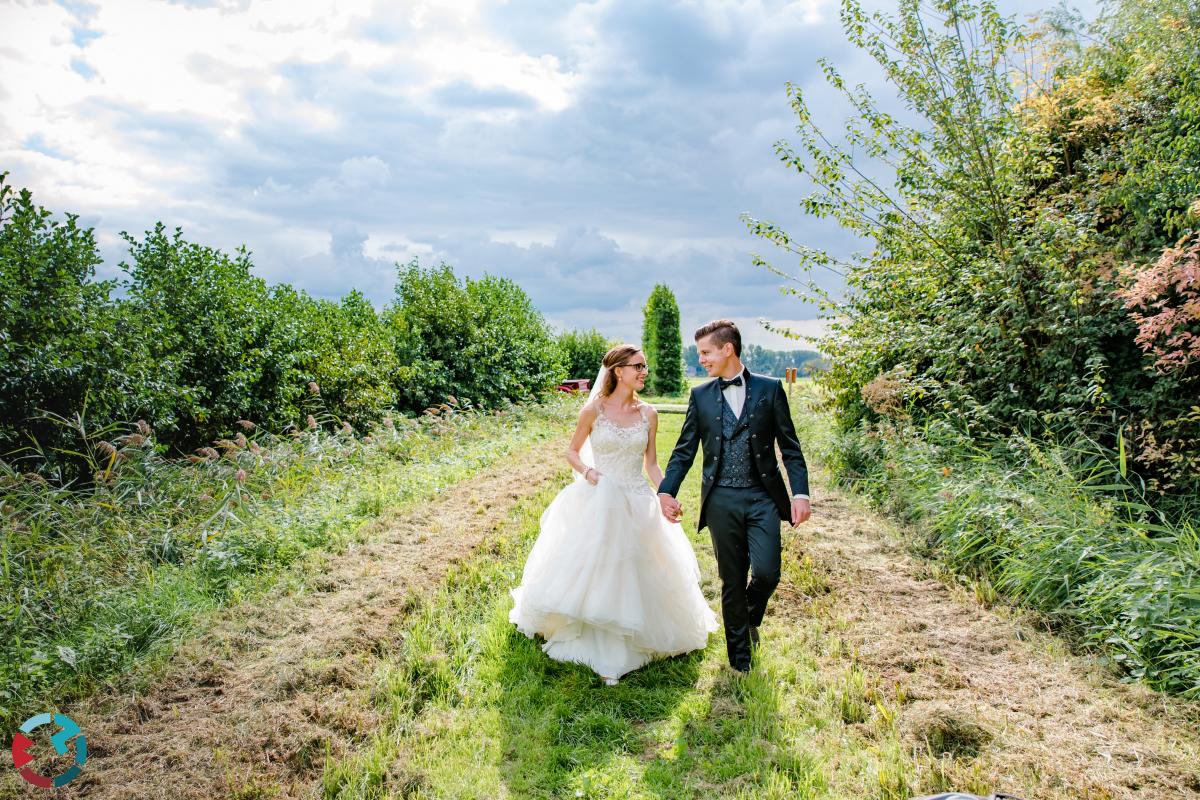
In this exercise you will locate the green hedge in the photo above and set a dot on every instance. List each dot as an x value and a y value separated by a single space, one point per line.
191 341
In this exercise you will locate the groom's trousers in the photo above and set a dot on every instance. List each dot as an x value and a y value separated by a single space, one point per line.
743 524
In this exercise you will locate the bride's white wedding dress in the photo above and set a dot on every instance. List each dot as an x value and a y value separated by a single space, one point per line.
609 582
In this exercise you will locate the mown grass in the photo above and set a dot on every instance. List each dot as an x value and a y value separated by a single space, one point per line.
1057 527
95 583
475 709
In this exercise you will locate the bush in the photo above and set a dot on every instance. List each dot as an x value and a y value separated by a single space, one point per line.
480 341
205 319
64 343
198 343
995 279
583 352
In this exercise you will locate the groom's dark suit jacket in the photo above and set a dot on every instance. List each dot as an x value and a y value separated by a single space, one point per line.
766 413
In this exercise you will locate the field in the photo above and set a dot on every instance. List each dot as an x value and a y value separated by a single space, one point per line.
387 668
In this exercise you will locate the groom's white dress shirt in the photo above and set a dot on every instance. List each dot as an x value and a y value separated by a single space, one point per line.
735 396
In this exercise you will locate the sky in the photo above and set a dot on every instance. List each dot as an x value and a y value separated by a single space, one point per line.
586 150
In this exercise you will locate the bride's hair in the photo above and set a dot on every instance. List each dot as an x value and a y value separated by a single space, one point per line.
614 358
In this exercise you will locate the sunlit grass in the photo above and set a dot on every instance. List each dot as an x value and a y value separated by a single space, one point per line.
476 709
1052 526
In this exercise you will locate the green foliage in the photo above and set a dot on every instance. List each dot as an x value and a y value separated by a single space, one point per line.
662 342
476 340
1012 365
204 320
198 343
994 277
93 582
354 362
583 351
1052 525
63 343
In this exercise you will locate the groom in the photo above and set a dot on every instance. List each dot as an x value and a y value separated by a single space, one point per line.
737 419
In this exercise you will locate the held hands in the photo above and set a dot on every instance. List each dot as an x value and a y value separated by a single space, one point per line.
671 509
592 476
801 510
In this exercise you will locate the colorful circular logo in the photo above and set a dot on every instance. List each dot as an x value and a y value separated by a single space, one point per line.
68 730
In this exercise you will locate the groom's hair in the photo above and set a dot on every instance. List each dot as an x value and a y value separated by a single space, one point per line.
722 331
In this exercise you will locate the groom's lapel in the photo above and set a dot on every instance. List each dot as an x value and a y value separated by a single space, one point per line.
717 404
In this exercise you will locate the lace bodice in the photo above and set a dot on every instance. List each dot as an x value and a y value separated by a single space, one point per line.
618 451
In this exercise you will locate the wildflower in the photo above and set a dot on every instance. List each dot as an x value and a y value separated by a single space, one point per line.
246 424
144 428
387 422
313 388
209 452
240 439
946 472
240 476
346 428
106 449
368 439
945 495
254 448
312 422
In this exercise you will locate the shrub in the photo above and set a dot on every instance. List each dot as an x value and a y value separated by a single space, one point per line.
583 351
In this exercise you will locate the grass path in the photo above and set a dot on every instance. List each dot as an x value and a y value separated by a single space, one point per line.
250 708
874 681
397 674
984 698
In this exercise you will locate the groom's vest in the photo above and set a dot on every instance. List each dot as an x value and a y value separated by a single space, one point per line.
737 464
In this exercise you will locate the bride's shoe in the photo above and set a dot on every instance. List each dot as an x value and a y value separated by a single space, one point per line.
610 681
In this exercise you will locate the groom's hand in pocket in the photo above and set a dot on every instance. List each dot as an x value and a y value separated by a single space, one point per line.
801 510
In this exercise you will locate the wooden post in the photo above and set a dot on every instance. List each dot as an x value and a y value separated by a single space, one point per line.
791 380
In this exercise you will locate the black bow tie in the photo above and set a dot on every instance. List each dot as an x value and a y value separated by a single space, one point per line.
731 382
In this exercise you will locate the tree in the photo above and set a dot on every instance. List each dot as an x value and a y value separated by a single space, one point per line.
662 342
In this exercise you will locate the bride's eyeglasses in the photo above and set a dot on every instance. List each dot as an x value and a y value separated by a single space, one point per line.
642 367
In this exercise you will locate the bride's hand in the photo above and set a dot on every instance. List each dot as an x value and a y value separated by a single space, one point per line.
592 476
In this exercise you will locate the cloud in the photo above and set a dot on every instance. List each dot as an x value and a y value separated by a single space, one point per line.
586 150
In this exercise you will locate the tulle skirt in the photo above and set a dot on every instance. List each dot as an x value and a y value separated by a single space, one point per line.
610 583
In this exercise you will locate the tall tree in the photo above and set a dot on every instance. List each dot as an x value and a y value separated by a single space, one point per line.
662 342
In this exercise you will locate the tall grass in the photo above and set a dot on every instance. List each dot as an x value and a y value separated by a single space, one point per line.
95 580
1057 526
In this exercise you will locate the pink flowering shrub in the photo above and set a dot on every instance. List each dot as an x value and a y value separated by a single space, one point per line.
1164 302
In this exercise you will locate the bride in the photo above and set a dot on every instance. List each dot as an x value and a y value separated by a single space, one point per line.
610 583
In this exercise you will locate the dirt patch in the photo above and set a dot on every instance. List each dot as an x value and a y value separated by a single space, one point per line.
251 708
988 688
